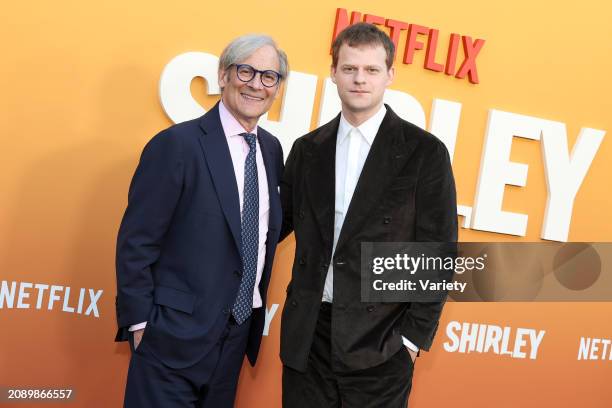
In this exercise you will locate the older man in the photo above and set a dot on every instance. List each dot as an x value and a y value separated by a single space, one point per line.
196 244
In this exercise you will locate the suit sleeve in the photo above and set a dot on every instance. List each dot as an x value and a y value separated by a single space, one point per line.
436 221
153 195
286 191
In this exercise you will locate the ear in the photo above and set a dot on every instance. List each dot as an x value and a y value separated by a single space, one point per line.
391 74
222 78
332 73
278 89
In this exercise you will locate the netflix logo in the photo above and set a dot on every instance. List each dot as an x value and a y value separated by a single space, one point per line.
420 37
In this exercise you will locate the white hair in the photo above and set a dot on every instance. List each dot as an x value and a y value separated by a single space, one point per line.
244 46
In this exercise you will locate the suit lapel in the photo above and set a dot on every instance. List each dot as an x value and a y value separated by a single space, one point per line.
271 176
321 179
219 161
275 212
387 156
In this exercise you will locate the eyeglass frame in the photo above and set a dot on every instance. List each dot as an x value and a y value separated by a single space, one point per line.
255 72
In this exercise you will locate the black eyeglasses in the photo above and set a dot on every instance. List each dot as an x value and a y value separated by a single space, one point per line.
246 73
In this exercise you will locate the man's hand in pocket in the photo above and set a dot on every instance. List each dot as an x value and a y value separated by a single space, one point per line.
137 337
413 354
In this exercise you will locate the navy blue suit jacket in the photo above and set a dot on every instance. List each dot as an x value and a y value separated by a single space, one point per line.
179 252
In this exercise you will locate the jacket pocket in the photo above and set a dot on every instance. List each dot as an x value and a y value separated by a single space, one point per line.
403 182
175 299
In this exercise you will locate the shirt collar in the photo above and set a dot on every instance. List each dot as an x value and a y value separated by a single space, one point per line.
368 129
231 126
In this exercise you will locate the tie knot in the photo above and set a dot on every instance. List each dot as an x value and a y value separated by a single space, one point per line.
352 134
250 139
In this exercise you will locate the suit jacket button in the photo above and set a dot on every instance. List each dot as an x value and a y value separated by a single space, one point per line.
301 215
226 311
237 273
370 308
386 220
294 303
302 261
340 261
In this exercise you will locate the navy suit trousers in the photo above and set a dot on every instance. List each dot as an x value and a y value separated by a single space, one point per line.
210 383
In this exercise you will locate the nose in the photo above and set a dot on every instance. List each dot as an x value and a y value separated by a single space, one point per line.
255 82
359 77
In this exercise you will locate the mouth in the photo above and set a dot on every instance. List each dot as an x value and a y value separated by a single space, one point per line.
359 92
251 97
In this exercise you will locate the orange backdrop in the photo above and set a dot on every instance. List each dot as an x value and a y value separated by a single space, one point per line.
79 84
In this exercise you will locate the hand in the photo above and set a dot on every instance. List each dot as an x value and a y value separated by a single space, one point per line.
413 354
137 337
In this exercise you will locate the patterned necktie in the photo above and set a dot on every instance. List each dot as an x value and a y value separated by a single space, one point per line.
250 233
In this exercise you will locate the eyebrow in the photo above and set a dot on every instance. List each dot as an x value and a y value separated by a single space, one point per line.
366 67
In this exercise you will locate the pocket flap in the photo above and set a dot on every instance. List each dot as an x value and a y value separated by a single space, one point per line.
400 183
176 299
